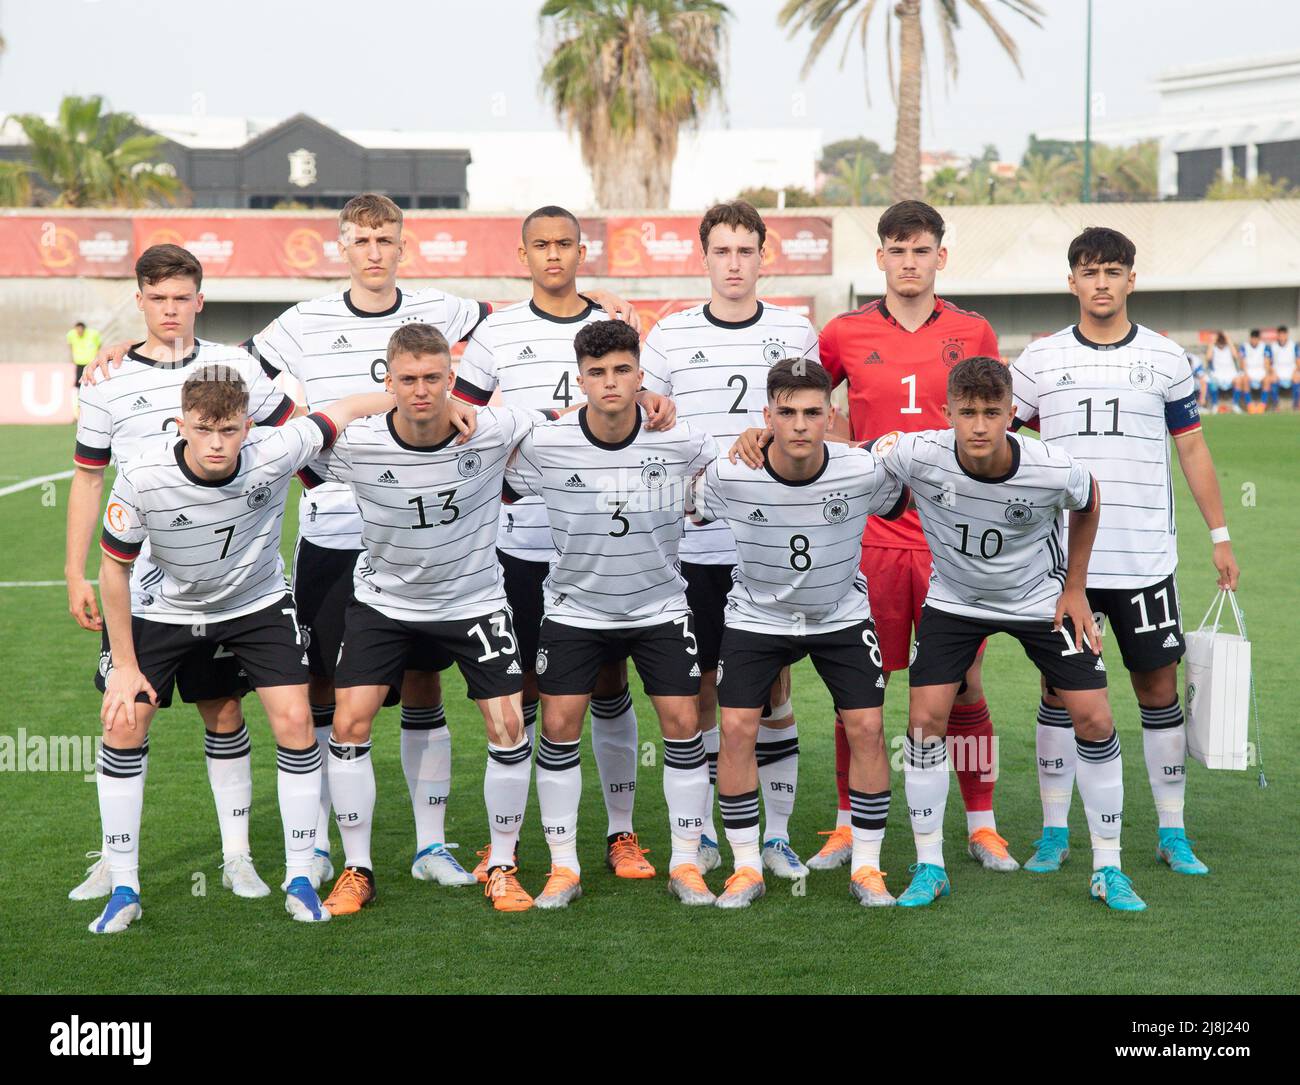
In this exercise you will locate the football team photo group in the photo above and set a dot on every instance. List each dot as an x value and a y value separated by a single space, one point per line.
565 510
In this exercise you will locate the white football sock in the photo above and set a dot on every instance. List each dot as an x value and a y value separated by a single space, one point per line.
230 772
712 739
740 823
352 790
559 790
322 718
426 762
614 742
120 782
870 811
925 778
1101 787
686 790
777 752
1164 743
1056 764
298 786
505 794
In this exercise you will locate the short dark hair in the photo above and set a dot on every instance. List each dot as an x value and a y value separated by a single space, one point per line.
79 324
791 375
604 337
1101 245
738 214
981 378
217 392
1254 331
159 262
908 219
551 211
417 339
1281 328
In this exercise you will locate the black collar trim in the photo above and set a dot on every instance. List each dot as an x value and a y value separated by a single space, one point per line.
718 322
392 432
938 312
1132 334
542 314
135 356
1015 463
767 466
606 445
347 300
198 480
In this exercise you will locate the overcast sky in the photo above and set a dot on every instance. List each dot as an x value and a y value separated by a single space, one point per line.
470 64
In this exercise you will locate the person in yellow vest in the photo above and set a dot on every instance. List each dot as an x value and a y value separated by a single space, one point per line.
83 345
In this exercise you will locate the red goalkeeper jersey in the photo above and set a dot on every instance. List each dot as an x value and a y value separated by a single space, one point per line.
898 380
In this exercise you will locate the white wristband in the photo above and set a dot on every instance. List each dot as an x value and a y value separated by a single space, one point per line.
1219 534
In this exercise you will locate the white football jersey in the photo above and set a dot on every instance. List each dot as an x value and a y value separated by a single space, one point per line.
995 542
1254 360
136 409
1284 359
1113 406
216 542
333 349
429 514
799 544
529 356
617 513
1223 365
715 371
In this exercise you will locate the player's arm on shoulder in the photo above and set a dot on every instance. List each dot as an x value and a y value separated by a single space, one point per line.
476 372
660 411
522 478
1024 392
617 307
890 497
267 404
309 436
106 360
705 502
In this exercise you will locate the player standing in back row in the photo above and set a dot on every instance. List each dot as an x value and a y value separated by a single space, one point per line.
896 354
526 351
1110 393
713 360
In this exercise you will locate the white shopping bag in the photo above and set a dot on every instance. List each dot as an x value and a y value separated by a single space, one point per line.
1217 673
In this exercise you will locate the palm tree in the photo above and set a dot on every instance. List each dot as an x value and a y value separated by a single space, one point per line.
853 182
626 75
824 17
1047 178
15 184
96 159
1126 173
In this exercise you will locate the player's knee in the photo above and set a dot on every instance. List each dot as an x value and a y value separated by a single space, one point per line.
739 730
224 716
350 728
1156 688
1093 723
421 689
864 730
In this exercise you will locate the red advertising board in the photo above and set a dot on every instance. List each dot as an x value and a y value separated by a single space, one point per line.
64 245
239 246
653 245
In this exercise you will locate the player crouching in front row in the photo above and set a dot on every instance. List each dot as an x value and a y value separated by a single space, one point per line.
211 507
990 506
798 592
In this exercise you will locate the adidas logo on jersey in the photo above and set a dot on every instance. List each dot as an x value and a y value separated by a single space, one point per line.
880 681
1065 381
387 478
695 671
184 521
757 517
574 483
1100 665
526 354
1171 641
698 357
141 404
341 343
873 358
514 668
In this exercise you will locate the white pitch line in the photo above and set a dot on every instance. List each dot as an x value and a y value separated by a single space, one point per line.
27 484
36 583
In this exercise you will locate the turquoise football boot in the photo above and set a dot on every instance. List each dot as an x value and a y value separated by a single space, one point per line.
1175 849
929 882
1112 886
1053 850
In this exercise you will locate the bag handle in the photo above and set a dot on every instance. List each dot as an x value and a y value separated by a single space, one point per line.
1219 600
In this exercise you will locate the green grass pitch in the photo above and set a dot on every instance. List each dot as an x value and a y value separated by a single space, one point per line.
1228 933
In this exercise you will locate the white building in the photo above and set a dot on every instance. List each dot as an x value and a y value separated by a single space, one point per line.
1235 118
